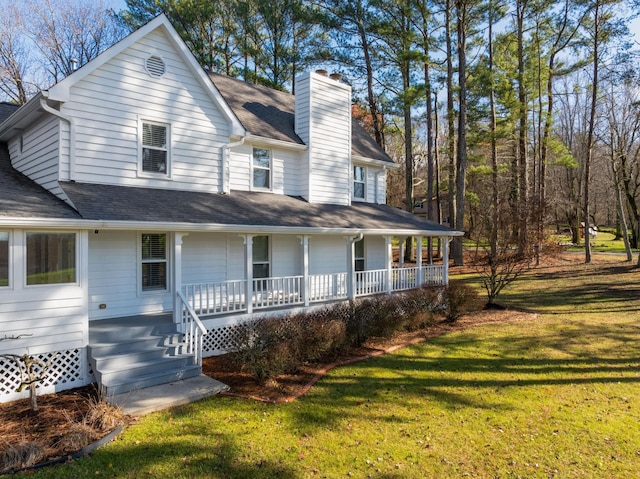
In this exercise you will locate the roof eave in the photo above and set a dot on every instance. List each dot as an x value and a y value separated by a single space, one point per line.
57 223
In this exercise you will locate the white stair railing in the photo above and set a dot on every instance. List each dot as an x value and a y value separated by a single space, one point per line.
192 329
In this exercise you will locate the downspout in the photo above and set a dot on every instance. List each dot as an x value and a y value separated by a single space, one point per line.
72 133
226 168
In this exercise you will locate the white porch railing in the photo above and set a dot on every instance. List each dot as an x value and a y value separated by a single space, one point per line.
192 328
433 274
208 299
371 282
327 287
405 278
225 297
283 291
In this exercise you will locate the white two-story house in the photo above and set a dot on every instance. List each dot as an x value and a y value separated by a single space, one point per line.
141 195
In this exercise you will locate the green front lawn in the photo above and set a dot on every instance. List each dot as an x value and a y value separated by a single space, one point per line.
556 395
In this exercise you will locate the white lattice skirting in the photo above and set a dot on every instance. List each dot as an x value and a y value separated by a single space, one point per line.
217 340
68 370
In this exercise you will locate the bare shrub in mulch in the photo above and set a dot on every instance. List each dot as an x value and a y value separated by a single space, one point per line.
265 348
24 453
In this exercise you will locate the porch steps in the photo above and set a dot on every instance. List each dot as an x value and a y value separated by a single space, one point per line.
128 354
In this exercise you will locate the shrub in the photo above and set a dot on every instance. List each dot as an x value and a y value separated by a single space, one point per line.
22 454
271 346
459 299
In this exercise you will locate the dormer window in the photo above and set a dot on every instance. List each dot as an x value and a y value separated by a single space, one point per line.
359 184
155 151
261 164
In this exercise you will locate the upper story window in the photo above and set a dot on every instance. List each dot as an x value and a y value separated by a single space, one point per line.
154 261
359 184
51 258
261 164
4 258
155 149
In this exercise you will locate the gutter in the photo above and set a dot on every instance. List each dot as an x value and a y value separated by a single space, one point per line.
226 168
72 133
46 223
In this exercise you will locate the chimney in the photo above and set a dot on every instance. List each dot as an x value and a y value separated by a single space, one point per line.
74 64
323 122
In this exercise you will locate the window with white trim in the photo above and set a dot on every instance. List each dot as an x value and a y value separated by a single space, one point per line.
153 265
359 182
261 263
358 255
51 258
4 258
155 149
261 164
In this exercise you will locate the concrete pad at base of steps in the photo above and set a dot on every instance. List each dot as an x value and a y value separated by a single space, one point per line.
164 396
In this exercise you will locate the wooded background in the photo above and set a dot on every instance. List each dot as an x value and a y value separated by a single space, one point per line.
511 118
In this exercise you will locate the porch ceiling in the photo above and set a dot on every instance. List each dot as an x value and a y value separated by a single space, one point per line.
240 210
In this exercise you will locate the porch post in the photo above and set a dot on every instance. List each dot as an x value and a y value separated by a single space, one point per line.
248 272
420 275
177 275
351 267
402 246
445 259
388 259
304 241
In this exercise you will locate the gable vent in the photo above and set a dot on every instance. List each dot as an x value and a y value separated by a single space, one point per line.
155 66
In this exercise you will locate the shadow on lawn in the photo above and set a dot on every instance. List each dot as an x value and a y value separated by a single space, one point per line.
458 380
218 454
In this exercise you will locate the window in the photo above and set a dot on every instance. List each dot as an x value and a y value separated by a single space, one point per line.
51 258
261 257
358 255
358 182
261 168
4 258
155 153
154 262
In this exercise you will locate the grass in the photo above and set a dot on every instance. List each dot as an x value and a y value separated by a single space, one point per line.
554 396
604 242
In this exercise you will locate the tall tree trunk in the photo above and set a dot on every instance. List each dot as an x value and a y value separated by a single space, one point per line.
590 133
461 153
451 144
523 211
493 237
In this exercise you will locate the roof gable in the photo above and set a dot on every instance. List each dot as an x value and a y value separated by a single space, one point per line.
61 91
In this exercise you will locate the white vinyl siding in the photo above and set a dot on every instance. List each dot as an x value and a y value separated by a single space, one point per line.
286 170
108 104
327 255
114 278
41 148
47 318
323 121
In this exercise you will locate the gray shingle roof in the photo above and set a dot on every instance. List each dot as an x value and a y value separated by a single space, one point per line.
270 113
240 208
6 110
23 198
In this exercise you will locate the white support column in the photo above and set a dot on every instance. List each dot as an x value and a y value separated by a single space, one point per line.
177 275
304 241
445 259
388 260
351 266
248 274
420 277
402 245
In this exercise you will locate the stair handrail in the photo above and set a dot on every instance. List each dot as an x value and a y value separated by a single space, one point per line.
195 334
